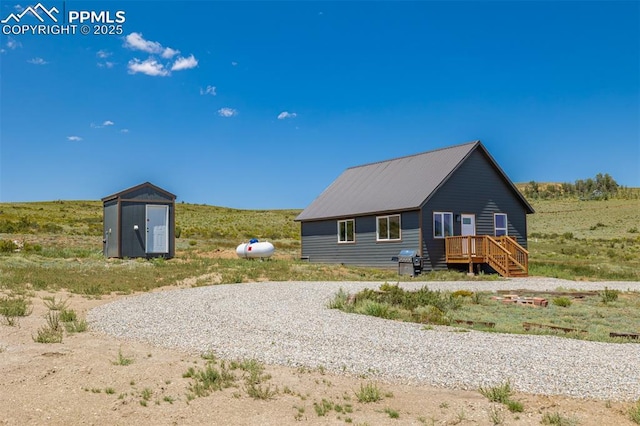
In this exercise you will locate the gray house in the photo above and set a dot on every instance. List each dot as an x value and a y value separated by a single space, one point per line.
455 206
139 222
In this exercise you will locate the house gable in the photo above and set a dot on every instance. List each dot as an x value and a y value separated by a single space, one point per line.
477 188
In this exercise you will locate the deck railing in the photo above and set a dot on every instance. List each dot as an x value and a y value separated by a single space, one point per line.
519 254
503 254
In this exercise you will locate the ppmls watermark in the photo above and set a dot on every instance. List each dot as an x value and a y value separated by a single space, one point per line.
40 20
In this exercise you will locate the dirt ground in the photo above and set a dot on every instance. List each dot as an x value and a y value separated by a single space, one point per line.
79 381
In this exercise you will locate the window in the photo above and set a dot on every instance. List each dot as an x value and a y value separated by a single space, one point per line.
442 224
346 231
500 224
388 228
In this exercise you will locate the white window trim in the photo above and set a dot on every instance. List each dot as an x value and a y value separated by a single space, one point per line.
388 228
441 214
354 231
506 224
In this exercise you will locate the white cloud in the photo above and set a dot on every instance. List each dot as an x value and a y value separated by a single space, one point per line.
18 8
184 63
106 64
37 61
12 43
102 54
124 131
234 63
285 114
135 41
152 66
210 90
227 112
169 53
149 67
103 125
74 138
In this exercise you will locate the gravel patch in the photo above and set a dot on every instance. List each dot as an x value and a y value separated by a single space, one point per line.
287 323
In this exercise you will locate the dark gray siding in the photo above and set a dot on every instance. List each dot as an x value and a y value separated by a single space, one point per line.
476 188
110 226
133 241
320 242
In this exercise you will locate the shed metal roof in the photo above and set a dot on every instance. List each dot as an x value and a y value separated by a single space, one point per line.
399 184
137 187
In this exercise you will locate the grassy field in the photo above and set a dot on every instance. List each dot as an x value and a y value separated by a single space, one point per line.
582 240
578 315
585 239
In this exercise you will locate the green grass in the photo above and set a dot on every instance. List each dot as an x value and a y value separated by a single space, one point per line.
368 393
62 247
146 394
323 407
598 313
68 315
218 376
557 419
122 360
209 379
12 307
53 304
634 413
52 332
76 326
499 393
392 413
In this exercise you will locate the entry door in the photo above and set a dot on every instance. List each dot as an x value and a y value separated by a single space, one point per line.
468 229
157 229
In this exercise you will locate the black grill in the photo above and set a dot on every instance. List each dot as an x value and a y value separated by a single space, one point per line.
409 263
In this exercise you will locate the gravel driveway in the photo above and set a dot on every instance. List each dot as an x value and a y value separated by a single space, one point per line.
287 323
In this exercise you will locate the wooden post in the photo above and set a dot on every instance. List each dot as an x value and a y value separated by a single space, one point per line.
469 254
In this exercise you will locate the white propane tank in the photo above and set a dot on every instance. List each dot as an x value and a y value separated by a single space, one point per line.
255 249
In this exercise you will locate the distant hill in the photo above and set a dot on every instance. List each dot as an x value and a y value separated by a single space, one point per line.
585 219
568 238
192 221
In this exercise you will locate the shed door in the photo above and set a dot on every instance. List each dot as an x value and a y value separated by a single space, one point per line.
468 229
157 229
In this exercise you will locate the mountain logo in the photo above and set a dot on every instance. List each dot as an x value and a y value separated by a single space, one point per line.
38 11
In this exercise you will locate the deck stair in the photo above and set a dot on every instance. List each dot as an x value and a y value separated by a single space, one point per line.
503 253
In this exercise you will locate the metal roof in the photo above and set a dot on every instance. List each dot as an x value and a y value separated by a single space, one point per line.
399 184
137 187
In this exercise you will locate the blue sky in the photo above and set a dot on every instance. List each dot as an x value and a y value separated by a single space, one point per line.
262 105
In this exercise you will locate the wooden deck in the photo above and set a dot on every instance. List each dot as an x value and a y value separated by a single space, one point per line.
503 254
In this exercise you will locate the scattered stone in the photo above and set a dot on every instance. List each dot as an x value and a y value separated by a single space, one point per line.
288 323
